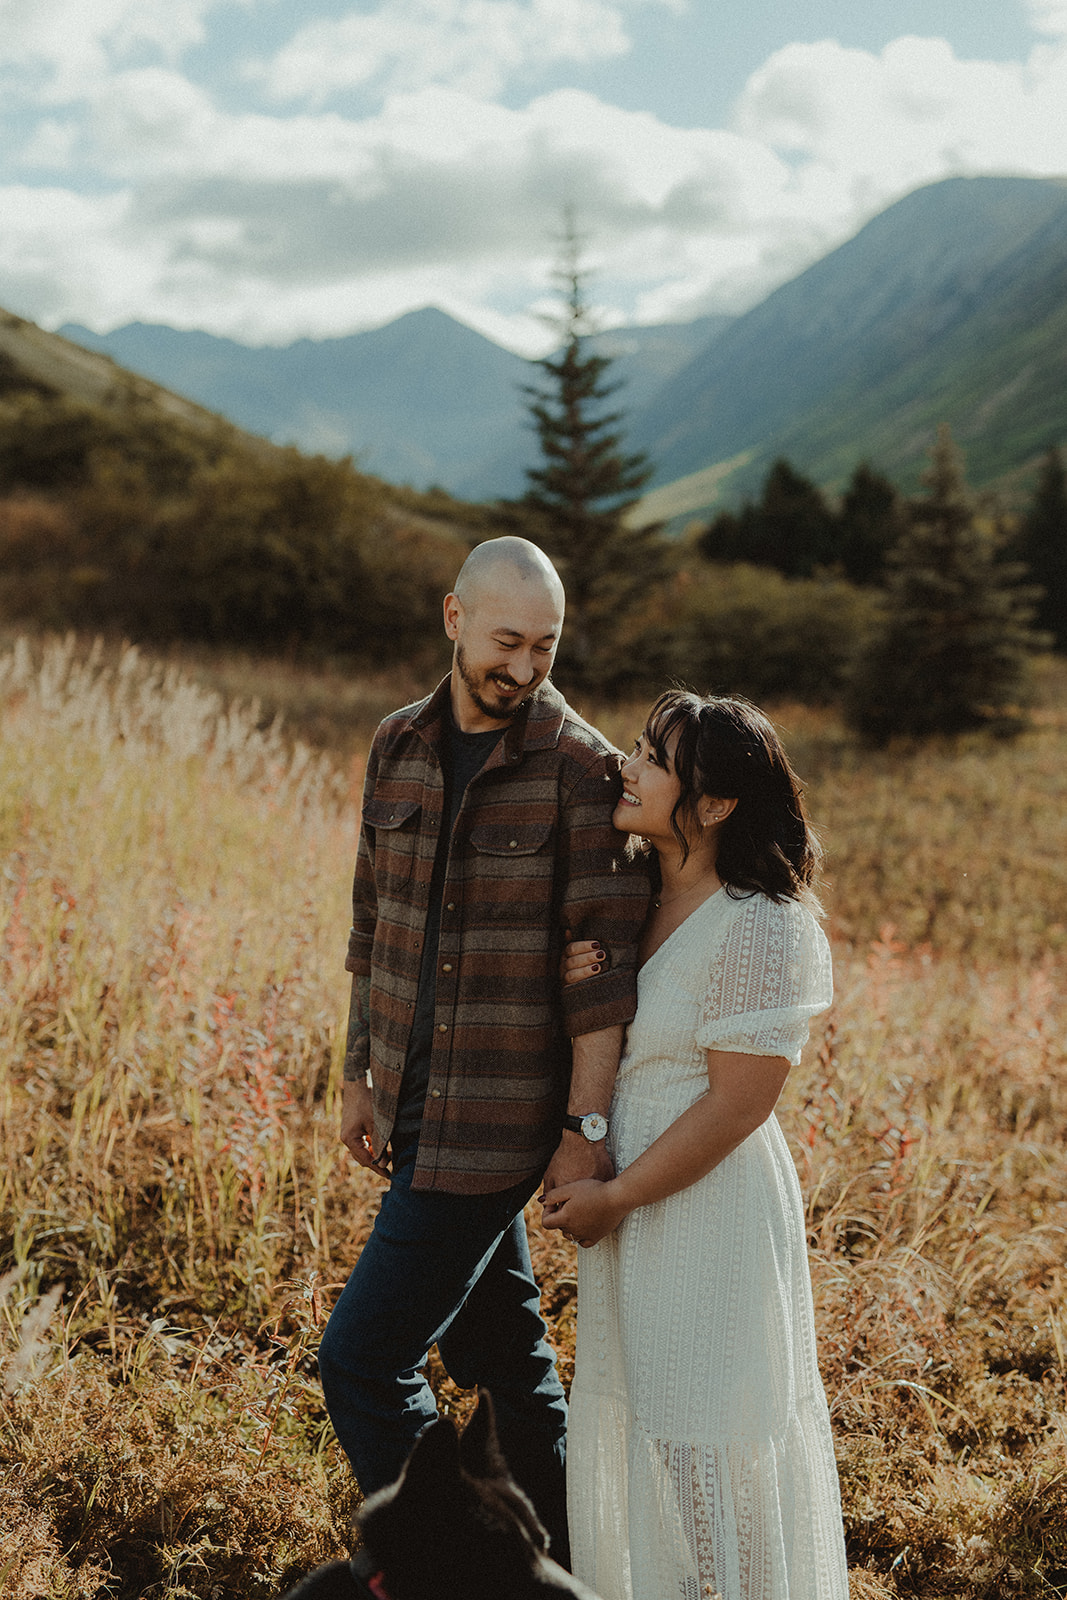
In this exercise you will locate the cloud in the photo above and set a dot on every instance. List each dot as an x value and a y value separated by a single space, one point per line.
62 251
66 46
440 180
1048 16
241 217
476 46
271 225
861 127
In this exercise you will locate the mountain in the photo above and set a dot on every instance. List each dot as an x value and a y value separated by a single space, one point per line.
419 401
646 358
949 306
423 400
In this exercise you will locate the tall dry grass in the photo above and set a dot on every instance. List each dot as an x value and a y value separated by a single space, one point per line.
173 913
177 1212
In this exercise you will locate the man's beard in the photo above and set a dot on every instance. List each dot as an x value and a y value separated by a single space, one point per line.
508 708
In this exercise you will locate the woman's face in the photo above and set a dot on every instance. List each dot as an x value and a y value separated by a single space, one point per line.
650 793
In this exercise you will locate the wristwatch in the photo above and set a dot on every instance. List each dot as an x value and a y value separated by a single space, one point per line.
593 1126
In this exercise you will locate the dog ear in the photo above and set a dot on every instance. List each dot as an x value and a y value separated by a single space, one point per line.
479 1447
434 1462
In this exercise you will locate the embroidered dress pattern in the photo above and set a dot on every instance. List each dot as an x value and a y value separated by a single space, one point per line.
700 1458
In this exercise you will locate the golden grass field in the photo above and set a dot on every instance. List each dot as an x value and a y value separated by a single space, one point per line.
177 1211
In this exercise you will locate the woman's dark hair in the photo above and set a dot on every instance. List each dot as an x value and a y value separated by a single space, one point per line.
727 748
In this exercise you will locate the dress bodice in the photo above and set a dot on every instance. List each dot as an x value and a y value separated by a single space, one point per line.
739 974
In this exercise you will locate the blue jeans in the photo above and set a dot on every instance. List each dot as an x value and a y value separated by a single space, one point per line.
451 1270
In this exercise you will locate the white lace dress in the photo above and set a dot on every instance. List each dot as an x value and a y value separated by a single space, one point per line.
700 1459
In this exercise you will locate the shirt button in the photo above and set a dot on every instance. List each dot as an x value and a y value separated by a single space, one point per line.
442 1027
514 844
451 906
447 967
435 1094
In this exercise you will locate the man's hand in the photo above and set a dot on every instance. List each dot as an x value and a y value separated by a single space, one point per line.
575 1159
357 1125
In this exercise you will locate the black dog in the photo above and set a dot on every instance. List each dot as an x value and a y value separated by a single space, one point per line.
454 1526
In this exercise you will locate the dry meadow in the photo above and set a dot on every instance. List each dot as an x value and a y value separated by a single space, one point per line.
177 1212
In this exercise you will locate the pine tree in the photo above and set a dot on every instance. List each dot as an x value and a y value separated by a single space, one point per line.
796 526
790 527
584 486
729 535
954 650
1042 544
870 522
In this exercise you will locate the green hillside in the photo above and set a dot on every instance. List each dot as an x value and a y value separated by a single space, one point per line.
50 366
126 508
949 307
999 377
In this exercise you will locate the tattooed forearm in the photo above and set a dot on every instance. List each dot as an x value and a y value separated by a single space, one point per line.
358 1040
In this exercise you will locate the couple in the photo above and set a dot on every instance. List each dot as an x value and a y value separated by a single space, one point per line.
701 1459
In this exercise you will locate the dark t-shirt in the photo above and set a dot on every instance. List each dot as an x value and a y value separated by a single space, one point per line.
463 755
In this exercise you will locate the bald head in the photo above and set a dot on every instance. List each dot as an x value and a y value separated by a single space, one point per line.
504 618
498 566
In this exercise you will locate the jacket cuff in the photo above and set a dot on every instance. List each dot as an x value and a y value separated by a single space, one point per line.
601 1002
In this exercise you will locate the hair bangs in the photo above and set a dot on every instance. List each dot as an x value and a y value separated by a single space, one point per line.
671 712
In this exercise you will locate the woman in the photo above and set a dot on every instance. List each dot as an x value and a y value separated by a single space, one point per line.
700 1460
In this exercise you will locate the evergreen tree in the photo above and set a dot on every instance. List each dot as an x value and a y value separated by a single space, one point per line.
724 536
796 527
870 522
582 489
790 527
954 647
1042 544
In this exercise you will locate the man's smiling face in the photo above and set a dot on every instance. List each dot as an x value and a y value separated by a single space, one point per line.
505 643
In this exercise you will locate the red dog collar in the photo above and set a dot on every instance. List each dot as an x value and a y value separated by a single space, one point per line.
368 1576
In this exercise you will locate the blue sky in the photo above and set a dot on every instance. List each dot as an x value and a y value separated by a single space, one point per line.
270 171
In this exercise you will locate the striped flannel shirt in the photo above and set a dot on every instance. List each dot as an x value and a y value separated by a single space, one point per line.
533 853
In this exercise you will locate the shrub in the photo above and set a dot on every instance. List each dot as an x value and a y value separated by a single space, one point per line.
748 630
269 551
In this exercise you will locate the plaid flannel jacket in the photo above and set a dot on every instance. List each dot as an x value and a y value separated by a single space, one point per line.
533 853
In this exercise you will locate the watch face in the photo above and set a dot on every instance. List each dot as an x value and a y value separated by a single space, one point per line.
594 1127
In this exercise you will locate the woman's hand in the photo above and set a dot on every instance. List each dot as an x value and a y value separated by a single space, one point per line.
582 958
586 1211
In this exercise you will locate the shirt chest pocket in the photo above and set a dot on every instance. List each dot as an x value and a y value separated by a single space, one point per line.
396 826
515 861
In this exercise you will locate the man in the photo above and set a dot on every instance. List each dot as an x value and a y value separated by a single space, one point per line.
486 833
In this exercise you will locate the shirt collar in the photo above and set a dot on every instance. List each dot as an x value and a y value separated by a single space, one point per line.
537 727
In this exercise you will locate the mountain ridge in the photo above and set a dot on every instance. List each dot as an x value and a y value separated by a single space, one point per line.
868 349
423 399
950 305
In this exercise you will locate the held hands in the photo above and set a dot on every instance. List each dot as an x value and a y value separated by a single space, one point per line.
357 1126
586 1211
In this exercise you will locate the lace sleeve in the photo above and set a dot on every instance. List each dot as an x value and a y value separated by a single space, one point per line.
769 977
